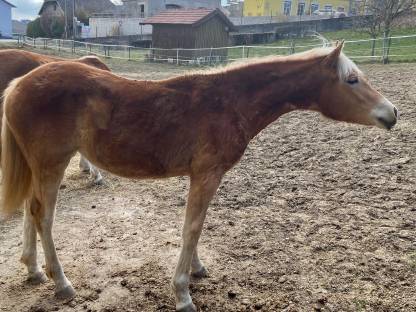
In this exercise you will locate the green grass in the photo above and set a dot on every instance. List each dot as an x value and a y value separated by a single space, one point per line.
401 50
405 48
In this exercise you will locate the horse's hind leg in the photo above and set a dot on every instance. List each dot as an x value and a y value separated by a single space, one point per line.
87 167
202 189
29 255
45 188
197 268
96 174
84 165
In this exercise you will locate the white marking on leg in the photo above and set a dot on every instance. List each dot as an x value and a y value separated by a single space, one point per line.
98 179
198 269
29 254
84 164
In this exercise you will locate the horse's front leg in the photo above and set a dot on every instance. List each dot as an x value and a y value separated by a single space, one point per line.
202 189
29 255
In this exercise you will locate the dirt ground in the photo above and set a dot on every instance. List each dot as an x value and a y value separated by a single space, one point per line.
318 216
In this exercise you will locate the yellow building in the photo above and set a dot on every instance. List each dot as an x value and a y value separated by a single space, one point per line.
293 7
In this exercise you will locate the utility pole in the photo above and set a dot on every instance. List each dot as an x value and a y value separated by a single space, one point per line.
73 19
66 20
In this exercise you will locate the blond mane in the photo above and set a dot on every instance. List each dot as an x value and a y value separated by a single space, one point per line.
345 65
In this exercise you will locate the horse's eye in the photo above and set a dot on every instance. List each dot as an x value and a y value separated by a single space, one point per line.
352 80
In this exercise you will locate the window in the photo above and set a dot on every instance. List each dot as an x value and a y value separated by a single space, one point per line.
328 7
287 5
141 10
314 7
341 9
301 8
172 7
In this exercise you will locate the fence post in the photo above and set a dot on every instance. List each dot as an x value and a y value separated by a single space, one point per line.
248 52
244 53
129 53
383 57
292 47
177 56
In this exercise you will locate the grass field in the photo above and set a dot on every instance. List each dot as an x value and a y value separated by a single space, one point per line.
402 50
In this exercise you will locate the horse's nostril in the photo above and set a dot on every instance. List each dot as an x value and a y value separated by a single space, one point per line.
395 111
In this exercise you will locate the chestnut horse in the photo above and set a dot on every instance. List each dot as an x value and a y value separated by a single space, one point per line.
195 125
16 63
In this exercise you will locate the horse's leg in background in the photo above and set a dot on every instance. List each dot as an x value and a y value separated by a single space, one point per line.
197 268
29 255
87 167
96 174
202 189
84 165
46 183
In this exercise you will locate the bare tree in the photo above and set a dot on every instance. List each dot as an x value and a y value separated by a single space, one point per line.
381 17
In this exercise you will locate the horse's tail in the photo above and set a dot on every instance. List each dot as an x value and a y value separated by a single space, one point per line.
17 176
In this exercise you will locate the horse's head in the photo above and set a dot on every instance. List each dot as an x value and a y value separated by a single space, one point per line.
348 96
94 61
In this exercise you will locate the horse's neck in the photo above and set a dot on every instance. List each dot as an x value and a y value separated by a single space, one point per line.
261 93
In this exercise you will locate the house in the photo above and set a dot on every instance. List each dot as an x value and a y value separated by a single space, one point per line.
293 7
51 8
235 8
52 18
6 19
125 19
148 8
190 29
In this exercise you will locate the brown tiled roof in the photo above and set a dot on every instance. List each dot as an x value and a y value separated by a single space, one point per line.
186 17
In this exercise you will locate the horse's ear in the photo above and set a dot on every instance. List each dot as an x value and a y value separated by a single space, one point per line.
332 59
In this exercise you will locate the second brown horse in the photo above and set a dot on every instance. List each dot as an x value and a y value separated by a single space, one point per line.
15 63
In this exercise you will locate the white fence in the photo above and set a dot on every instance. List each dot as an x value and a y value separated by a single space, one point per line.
397 48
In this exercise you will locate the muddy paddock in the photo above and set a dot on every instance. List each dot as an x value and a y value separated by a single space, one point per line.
318 216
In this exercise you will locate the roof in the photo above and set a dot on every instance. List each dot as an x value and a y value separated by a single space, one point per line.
7 2
46 3
193 17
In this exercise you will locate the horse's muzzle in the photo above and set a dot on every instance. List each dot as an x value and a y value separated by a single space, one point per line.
385 115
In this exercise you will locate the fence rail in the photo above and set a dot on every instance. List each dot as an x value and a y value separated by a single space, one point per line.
396 48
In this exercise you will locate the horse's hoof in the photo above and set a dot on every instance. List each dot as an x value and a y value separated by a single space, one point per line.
188 308
37 278
99 182
201 273
66 293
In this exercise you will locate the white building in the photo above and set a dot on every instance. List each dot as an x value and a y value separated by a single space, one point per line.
6 19
125 19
